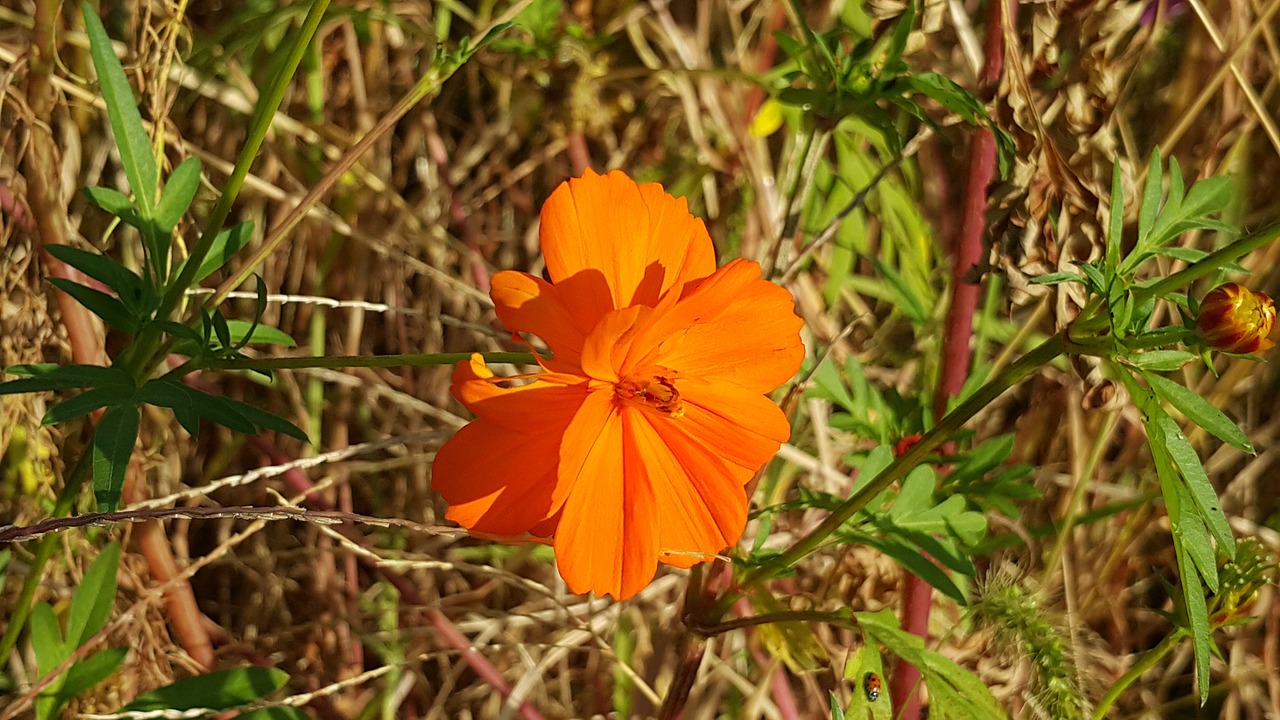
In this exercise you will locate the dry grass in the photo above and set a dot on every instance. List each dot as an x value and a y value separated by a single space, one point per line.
398 258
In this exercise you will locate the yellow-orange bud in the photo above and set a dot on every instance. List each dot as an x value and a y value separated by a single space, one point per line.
1235 319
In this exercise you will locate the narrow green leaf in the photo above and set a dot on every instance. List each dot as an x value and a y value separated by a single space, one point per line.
1208 196
1096 281
1197 617
179 191
94 597
126 283
220 328
178 398
47 376
1161 360
122 109
837 712
1151 196
1057 278
240 334
918 565
216 690
266 420
92 670
46 638
1173 198
225 245
1200 411
188 403
113 442
1185 254
111 310
177 330
111 200
85 403
1115 229
1197 482
971 695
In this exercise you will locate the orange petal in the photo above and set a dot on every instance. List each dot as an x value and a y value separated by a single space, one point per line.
732 326
704 506
739 425
528 304
607 539
640 239
548 401
498 480
607 346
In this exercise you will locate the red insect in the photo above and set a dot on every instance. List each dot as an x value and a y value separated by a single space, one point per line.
871 684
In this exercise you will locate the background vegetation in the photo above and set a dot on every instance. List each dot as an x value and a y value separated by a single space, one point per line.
834 142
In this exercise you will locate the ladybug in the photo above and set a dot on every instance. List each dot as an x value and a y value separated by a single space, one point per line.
871 684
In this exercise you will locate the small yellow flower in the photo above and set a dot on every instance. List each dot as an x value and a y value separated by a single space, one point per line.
1235 319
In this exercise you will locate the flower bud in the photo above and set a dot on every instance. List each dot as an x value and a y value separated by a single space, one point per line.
1235 319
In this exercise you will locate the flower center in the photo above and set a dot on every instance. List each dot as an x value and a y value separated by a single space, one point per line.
657 393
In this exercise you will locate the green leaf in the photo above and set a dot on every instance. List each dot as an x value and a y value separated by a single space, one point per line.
1057 278
1096 281
864 662
178 194
85 403
1200 411
111 200
111 310
970 696
46 638
239 416
113 442
225 245
178 398
266 420
189 404
216 690
221 329
128 286
1197 617
44 377
1115 227
1161 360
1197 482
241 334
1208 196
91 671
92 602
837 712
178 330
122 109
917 564
1152 193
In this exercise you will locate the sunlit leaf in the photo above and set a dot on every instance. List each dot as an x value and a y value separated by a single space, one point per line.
216 690
122 110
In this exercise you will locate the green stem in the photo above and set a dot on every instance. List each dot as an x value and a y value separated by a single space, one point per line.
1207 265
263 115
946 428
362 361
1147 662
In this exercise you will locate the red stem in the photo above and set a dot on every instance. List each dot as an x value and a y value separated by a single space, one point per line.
965 288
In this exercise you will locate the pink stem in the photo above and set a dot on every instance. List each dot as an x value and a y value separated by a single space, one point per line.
965 288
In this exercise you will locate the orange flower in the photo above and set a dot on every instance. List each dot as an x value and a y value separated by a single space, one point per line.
1235 319
635 445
